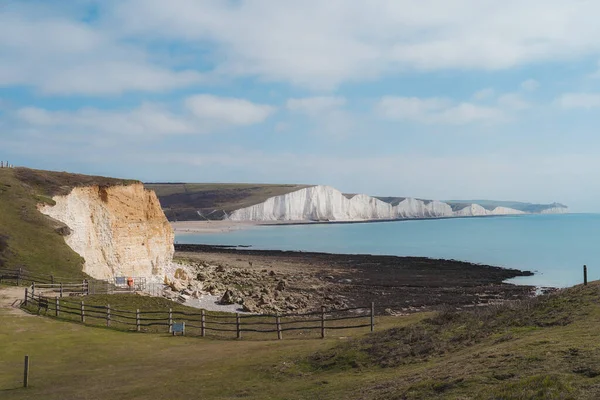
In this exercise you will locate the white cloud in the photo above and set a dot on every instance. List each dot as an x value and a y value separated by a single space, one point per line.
513 101
530 85
147 120
228 110
60 56
436 111
363 39
315 105
484 94
579 100
127 48
327 113
201 114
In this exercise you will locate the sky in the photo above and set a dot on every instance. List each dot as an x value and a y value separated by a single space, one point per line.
438 99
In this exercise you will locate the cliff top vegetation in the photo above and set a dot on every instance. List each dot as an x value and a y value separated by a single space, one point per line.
183 201
53 183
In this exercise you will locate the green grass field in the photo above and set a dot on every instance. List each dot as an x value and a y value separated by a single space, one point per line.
541 349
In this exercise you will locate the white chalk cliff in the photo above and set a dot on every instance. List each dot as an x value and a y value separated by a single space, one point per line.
324 203
118 230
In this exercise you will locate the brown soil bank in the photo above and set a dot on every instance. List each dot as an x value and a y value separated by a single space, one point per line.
395 284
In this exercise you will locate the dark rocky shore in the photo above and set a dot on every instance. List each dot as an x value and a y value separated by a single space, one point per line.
395 284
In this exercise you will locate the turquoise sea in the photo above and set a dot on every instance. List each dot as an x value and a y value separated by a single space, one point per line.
555 247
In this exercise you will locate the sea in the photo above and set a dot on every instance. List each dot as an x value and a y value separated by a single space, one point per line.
554 247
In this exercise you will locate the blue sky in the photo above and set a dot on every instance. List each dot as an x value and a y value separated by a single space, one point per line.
431 98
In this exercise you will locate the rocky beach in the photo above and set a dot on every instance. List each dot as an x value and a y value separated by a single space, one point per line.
286 281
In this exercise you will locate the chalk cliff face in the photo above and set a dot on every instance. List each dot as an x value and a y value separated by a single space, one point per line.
413 208
118 230
506 211
316 203
324 203
474 210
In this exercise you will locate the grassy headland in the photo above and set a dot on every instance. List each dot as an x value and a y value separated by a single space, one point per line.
28 238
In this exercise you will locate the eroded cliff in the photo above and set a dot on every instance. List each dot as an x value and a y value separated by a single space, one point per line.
118 230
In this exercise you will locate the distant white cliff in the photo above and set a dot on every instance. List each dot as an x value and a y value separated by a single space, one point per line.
316 203
413 208
555 210
325 203
507 211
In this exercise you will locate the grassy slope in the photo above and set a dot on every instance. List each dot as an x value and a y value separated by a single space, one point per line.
31 239
180 201
545 349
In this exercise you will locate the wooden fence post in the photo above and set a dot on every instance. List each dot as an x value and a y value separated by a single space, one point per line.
170 320
19 277
237 324
57 306
372 316
86 287
585 274
26 297
61 289
26 372
137 320
52 279
108 315
322 322
32 290
203 323
278 322
82 312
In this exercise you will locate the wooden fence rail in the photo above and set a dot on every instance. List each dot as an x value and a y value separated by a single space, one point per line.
21 276
202 322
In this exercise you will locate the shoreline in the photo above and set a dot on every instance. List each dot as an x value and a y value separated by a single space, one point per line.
224 226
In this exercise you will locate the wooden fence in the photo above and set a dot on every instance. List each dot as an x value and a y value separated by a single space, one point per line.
21 276
59 289
203 323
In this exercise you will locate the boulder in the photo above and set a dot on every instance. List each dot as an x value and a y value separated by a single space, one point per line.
249 306
280 285
228 297
201 276
176 285
181 274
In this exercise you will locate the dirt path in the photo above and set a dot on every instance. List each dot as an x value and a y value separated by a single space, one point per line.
10 300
